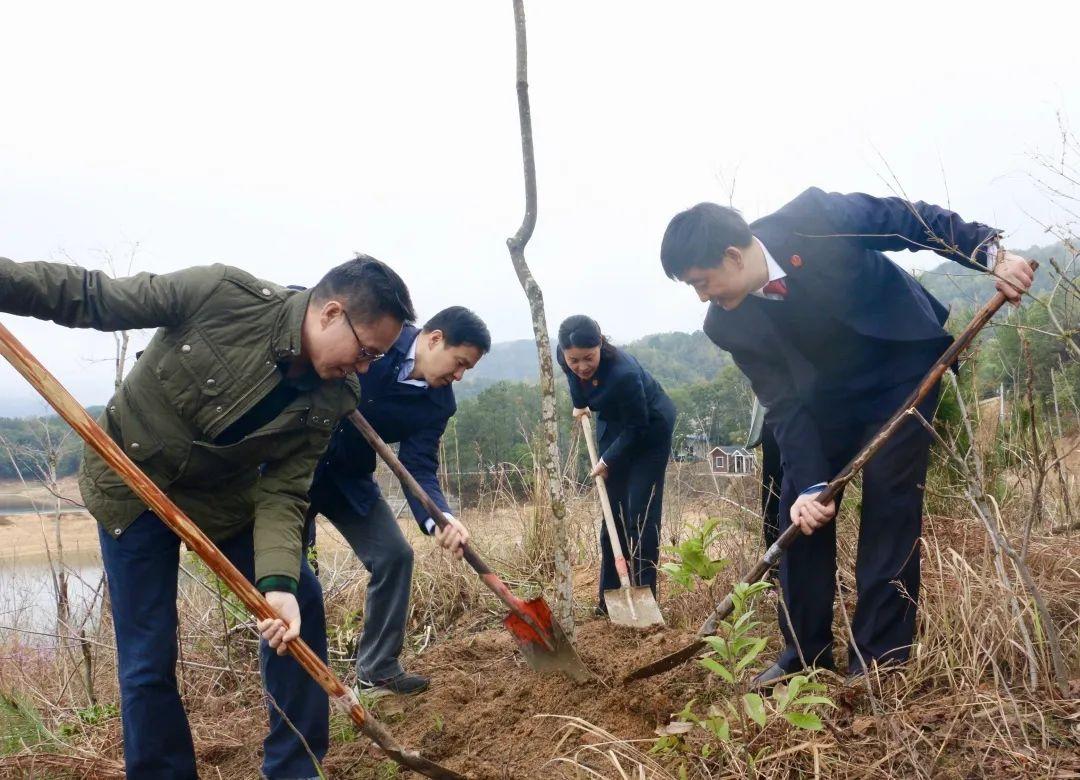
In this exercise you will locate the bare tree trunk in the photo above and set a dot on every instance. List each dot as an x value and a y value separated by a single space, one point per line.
444 473
549 453
63 601
457 465
1038 461
1057 409
122 339
47 472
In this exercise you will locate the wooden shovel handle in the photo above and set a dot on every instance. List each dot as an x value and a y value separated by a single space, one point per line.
83 424
490 578
605 503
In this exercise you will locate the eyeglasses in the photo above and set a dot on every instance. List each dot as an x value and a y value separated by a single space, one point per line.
364 352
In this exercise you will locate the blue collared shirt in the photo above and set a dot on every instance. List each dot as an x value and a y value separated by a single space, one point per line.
407 366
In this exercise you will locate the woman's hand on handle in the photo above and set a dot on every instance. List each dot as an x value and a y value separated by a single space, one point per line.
579 413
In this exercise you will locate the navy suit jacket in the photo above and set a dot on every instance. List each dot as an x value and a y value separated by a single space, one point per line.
414 416
632 409
839 283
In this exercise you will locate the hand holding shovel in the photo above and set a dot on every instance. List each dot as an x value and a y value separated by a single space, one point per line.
627 606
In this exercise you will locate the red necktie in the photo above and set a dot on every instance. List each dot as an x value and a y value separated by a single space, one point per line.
775 287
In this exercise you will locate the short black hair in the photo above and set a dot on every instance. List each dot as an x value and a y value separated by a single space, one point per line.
461 326
699 236
583 332
368 288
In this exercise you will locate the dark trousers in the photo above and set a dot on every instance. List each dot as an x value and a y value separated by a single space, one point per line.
142 568
636 493
887 563
772 477
380 545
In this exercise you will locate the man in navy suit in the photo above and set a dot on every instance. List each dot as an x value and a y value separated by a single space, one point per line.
833 337
407 397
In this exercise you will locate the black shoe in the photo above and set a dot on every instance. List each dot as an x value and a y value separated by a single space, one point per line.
599 611
770 677
404 684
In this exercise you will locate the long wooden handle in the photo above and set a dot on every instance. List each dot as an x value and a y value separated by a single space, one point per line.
490 578
83 424
402 473
605 503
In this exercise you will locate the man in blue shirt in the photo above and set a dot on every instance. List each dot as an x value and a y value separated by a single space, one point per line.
407 397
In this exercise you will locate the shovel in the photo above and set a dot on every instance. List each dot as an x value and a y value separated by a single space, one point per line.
627 606
538 635
776 550
341 697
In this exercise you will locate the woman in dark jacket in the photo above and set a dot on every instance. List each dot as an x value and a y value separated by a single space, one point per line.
634 423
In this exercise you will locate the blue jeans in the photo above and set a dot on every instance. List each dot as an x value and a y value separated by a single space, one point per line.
142 568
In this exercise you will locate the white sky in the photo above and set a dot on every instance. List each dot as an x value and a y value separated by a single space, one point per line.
280 140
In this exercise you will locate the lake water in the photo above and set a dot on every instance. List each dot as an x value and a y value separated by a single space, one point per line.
28 596
13 504
27 590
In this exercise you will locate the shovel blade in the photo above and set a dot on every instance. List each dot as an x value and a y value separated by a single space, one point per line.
548 653
633 607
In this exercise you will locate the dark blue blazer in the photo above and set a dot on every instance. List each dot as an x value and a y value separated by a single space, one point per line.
632 409
414 416
853 327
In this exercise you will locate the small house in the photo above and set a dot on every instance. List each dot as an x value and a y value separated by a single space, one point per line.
731 461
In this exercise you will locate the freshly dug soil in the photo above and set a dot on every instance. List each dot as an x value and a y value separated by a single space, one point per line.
484 715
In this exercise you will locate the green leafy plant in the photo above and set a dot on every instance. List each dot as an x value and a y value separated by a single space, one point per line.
738 722
694 562
734 647
90 716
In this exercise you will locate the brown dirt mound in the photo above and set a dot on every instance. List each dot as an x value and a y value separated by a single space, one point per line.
483 715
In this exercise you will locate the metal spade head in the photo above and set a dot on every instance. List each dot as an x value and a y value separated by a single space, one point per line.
548 650
634 607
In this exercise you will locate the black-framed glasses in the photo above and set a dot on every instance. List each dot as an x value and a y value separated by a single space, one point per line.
365 353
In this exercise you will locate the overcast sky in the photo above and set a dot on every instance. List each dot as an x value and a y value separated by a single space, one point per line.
282 137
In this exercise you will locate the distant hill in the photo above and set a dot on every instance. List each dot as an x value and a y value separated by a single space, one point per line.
508 361
959 287
673 358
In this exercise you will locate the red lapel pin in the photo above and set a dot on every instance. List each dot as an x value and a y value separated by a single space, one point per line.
796 261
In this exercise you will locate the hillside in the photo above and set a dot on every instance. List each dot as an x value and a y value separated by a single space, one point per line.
673 358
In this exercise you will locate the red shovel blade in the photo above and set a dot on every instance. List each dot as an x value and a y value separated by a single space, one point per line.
547 652
525 633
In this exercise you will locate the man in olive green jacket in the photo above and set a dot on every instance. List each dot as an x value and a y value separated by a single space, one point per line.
228 410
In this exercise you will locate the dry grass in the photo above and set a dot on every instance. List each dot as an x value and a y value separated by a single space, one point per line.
976 699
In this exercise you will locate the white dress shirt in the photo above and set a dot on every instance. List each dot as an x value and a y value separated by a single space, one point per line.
775 272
